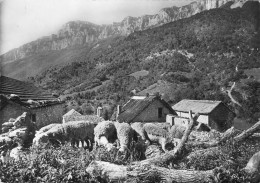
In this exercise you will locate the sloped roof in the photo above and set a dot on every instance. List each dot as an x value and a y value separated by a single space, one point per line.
39 104
196 106
72 112
91 118
24 90
136 105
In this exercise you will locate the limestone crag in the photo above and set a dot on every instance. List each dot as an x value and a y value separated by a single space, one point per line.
81 32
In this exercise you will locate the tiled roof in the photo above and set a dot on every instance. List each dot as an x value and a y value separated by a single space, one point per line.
36 104
196 106
136 105
24 90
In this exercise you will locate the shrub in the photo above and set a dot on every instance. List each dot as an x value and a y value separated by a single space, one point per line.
63 164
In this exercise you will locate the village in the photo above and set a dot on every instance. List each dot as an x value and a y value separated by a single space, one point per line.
31 118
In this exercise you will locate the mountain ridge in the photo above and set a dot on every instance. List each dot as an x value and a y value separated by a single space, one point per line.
76 33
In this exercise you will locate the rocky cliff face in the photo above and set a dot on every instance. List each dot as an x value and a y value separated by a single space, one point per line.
80 32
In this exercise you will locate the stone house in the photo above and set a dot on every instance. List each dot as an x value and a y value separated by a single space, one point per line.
215 114
17 97
43 114
144 109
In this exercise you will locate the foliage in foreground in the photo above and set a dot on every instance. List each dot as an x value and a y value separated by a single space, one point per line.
62 164
67 164
49 164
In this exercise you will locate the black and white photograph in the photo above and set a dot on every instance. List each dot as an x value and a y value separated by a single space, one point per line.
130 91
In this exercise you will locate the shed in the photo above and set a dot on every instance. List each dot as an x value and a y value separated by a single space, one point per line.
215 114
145 109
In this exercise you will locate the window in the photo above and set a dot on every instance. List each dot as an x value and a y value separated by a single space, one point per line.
34 117
160 112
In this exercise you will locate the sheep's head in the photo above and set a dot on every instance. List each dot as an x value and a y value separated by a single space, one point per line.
57 135
110 147
123 148
39 139
167 143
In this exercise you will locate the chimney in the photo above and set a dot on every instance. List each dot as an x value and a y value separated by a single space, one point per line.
119 110
99 111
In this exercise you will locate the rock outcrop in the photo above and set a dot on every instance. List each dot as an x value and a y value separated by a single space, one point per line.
80 32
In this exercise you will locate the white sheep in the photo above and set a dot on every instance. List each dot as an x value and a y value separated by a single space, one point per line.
43 138
80 130
106 129
125 135
157 134
138 127
177 131
73 131
104 142
46 128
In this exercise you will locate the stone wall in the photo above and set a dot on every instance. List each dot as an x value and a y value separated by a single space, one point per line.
203 118
150 114
11 110
49 114
177 120
181 121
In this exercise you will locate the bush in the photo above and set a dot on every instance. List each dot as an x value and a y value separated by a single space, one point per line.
67 164
63 164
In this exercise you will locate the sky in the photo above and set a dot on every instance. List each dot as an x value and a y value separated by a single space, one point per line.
22 21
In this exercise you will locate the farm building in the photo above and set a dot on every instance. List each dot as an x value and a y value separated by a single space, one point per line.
18 97
215 114
73 115
144 109
70 116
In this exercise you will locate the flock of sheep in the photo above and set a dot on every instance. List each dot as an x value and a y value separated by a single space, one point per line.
109 134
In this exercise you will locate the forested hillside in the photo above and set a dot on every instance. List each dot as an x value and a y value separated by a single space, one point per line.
199 57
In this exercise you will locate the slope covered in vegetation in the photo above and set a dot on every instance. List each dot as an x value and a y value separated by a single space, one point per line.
201 55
